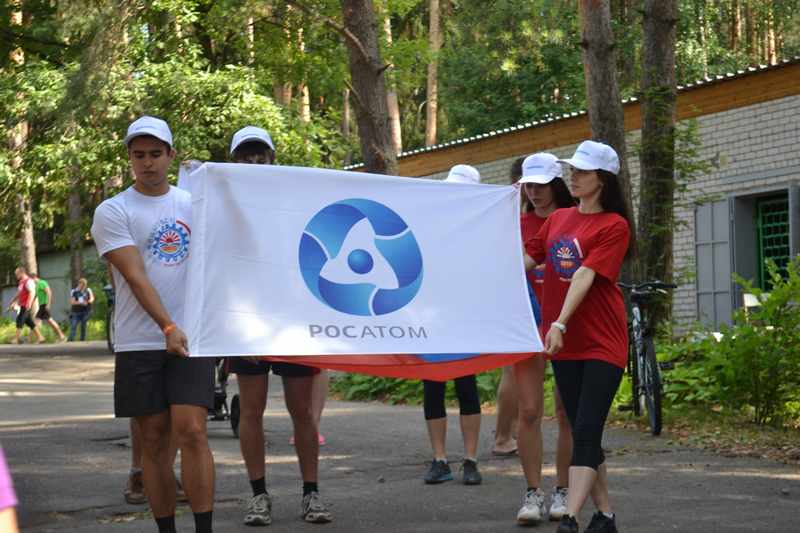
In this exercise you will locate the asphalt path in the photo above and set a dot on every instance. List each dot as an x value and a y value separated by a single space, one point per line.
69 458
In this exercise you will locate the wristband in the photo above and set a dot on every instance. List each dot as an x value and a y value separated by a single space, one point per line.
168 328
559 326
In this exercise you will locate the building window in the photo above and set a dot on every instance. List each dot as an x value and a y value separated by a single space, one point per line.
772 230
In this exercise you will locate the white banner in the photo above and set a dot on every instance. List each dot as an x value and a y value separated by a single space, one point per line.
300 261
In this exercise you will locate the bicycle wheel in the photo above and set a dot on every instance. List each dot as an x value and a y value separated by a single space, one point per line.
652 386
110 329
636 386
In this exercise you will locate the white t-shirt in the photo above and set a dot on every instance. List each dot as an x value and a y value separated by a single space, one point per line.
159 226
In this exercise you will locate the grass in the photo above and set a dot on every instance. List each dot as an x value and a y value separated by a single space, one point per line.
95 331
724 432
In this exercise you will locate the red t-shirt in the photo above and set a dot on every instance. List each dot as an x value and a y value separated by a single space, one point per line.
530 224
24 292
568 240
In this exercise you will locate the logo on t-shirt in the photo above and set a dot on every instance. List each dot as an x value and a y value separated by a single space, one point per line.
566 257
169 241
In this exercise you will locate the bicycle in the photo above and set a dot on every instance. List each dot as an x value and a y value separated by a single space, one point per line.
110 299
644 370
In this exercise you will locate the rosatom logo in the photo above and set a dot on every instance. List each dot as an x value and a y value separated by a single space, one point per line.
359 257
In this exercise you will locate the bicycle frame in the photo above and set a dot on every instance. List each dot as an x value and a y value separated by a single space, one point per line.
643 368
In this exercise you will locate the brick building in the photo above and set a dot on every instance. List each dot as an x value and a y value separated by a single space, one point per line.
749 127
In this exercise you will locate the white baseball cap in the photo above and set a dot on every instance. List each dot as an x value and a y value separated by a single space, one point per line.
463 174
592 155
147 125
541 168
251 133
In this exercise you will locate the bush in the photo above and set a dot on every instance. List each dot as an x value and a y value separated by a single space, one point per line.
693 379
759 355
755 366
404 391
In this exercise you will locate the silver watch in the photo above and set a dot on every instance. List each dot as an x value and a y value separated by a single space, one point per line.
559 326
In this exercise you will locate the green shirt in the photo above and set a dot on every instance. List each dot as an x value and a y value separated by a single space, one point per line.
41 294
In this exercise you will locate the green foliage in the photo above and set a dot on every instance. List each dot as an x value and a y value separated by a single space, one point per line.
693 380
760 354
95 331
361 387
755 366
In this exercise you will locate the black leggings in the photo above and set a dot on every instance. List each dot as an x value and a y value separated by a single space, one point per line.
587 389
466 389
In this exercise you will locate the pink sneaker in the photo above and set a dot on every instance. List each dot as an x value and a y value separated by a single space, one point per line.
322 441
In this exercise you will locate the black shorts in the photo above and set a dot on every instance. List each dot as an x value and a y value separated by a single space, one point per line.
240 365
148 382
43 313
24 318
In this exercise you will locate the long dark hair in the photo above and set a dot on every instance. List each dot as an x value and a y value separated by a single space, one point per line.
561 196
612 200
515 172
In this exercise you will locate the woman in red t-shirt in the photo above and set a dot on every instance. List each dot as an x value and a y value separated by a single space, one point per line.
583 315
543 191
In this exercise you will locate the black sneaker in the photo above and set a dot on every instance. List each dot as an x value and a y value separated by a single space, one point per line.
439 472
601 524
470 472
567 524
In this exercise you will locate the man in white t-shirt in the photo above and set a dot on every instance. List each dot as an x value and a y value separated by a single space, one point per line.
144 233
253 145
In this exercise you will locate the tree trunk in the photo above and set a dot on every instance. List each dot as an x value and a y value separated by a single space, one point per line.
251 40
769 22
283 93
627 58
606 118
702 31
657 159
27 242
75 232
434 45
369 87
348 156
391 95
18 137
751 31
302 88
305 103
736 25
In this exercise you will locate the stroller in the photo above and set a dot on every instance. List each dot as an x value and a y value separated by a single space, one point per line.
221 411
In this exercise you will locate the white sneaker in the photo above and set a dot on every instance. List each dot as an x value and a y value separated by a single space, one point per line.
533 509
259 511
558 504
314 509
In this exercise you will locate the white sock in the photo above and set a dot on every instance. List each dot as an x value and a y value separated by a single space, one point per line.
610 516
443 459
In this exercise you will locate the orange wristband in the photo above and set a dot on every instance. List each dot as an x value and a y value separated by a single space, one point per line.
168 328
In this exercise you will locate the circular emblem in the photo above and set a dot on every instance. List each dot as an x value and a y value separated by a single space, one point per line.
383 269
565 258
169 242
